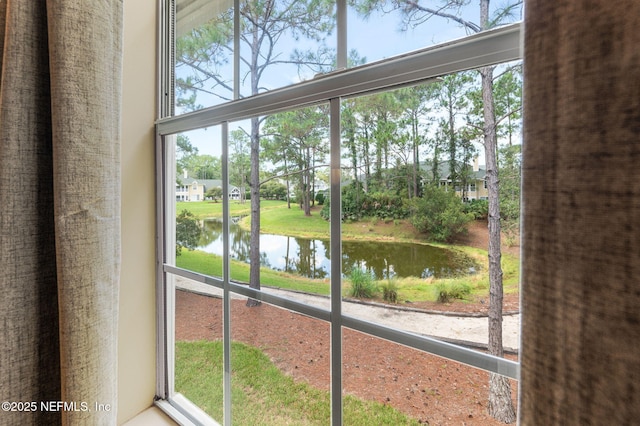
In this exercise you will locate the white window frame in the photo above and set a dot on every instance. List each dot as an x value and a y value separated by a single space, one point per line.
478 50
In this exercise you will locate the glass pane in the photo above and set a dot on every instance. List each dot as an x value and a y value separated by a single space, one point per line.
292 249
406 386
280 367
402 26
281 43
198 350
203 54
414 207
284 42
197 186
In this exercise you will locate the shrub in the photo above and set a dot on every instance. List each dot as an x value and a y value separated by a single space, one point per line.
357 204
362 284
479 209
448 292
439 213
390 291
386 205
273 190
188 231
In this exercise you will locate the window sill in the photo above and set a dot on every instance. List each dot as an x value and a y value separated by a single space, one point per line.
152 416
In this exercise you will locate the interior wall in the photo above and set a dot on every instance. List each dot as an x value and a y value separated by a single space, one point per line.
137 334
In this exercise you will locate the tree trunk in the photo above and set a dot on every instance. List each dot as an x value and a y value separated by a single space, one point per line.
306 176
500 406
453 171
416 156
286 171
500 403
254 251
367 161
254 187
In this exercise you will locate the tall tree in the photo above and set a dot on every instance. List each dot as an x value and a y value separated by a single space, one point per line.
206 52
239 160
413 12
353 154
500 404
416 107
452 100
364 122
202 166
507 90
184 152
385 111
277 149
302 136
510 176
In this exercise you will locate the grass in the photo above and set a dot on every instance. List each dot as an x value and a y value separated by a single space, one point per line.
389 291
448 292
362 284
210 209
265 395
210 264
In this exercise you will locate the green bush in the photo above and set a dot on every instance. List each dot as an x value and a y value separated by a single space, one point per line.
362 284
357 204
385 205
479 209
188 231
448 292
439 213
273 190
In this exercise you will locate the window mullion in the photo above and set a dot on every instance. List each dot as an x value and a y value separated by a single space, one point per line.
226 277
336 265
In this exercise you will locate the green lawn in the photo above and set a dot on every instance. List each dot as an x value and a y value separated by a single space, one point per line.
261 394
210 264
209 209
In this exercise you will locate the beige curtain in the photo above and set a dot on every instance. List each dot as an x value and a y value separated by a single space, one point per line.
581 241
60 85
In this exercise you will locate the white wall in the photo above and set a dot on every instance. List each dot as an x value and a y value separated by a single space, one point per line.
137 334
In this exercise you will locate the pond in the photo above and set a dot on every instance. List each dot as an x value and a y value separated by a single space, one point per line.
311 258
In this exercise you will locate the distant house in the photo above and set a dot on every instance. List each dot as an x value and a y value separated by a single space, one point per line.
476 183
191 189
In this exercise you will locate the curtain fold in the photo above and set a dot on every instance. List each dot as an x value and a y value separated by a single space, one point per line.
60 91
580 362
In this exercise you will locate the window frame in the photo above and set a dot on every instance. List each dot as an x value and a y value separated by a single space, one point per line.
482 49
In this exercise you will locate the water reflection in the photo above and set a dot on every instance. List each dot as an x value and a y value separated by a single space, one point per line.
311 258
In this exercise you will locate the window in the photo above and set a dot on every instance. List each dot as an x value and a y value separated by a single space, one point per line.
327 134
